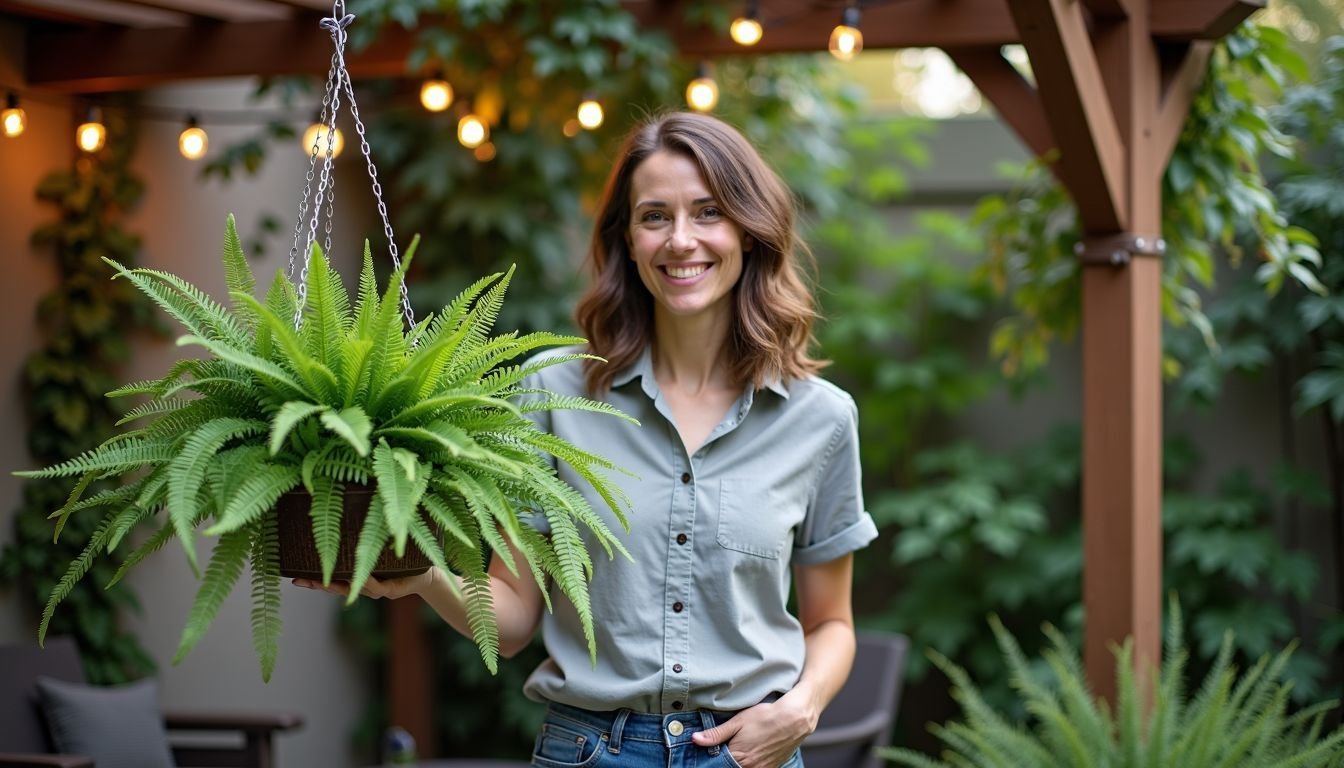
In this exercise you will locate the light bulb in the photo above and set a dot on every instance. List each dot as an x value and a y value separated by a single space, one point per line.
846 39
590 113
91 134
13 120
702 93
471 131
192 142
485 152
746 29
317 133
436 94
571 128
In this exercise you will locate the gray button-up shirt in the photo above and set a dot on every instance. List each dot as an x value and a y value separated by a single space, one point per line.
699 619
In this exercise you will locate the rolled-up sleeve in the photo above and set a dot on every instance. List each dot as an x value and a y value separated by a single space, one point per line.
837 523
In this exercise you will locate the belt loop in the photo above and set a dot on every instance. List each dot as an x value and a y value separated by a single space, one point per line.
707 721
617 728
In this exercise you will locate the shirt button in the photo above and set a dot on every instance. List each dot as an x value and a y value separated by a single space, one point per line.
685 477
676 668
677 607
681 538
675 727
677 723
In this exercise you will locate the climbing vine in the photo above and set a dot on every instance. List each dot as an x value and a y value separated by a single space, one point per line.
84 321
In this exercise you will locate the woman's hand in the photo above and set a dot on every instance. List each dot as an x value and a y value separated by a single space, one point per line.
391 589
766 735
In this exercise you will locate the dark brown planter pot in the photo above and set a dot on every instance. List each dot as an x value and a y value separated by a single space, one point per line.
298 552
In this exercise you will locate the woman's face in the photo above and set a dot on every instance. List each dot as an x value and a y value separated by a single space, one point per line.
688 253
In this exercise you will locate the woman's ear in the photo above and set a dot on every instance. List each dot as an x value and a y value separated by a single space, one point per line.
748 242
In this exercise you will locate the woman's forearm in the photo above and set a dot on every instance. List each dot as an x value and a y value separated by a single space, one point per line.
517 608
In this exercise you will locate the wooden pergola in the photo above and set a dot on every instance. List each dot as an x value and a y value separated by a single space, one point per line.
1113 84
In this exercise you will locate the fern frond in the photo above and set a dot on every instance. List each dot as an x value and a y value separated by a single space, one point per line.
106 460
186 473
372 540
237 272
150 408
443 405
399 489
323 315
557 403
266 593
201 315
226 565
74 573
290 414
351 425
446 516
255 496
325 512
269 373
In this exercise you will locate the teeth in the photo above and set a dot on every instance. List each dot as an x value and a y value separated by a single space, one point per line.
686 271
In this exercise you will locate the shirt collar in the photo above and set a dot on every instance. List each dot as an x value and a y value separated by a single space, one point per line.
642 368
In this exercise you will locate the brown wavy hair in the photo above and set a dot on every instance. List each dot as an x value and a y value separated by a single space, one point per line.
771 330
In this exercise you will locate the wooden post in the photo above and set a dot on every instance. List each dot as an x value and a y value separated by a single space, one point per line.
410 675
1122 377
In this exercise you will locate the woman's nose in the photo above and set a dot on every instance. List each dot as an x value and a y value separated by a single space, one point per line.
680 239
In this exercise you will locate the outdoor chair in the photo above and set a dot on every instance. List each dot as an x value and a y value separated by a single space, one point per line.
242 740
859 719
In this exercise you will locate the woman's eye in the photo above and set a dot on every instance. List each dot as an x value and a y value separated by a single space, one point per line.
710 213
653 216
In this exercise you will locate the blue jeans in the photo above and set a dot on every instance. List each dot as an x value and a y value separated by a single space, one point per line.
579 738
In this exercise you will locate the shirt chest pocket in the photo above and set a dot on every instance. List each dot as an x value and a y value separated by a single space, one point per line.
756 520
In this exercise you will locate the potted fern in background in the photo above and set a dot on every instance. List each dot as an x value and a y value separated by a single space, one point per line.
1235 720
347 447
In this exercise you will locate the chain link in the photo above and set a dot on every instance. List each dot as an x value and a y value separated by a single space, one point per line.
406 310
339 77
308 184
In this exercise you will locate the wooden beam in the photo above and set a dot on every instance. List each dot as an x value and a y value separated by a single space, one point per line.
128 59
1015 100
1183 68
120 59
1174 20
1055 34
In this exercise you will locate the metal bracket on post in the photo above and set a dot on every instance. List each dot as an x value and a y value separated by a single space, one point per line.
1118 249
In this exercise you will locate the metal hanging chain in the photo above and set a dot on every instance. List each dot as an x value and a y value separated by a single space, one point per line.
312 166
338 79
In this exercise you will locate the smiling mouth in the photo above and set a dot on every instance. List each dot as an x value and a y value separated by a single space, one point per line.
692 270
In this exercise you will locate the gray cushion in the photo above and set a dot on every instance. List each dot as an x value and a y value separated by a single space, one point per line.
117 726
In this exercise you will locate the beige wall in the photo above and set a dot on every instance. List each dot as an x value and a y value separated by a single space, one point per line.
181 221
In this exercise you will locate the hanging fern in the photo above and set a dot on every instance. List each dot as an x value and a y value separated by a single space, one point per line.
350 397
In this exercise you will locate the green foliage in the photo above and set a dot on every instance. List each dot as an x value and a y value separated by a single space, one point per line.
349 398
1233 719
1214 196
85 323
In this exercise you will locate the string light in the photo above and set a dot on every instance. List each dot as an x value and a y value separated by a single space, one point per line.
846 39
13 120
746 29
436 94
590 113
471 131
192 142
485 152
91 134
317 134
702 94
571 128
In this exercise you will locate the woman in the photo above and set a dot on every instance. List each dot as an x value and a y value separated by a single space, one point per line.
747 473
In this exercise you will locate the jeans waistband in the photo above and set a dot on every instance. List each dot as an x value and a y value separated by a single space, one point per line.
626 724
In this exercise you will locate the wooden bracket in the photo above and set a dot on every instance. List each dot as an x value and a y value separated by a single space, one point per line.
1117 250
